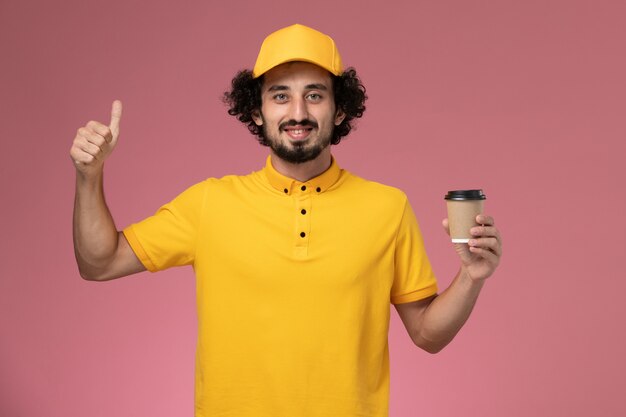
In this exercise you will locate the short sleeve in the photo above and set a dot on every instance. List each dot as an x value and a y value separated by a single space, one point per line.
168 238
413 275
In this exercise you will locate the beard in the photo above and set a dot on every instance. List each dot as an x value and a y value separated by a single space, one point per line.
298 152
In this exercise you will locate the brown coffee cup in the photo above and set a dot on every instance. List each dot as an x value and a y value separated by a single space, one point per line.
463 207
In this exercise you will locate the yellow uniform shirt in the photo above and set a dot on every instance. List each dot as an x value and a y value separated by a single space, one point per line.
294 285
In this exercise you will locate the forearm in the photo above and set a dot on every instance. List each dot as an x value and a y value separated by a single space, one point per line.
447 313
95 234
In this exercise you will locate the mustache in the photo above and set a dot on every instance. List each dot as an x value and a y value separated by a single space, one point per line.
303 123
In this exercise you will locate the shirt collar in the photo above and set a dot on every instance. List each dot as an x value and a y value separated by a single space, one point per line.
288 185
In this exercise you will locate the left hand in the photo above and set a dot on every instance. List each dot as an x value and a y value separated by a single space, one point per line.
481 256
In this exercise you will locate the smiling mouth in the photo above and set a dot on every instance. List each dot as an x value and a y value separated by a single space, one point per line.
298 132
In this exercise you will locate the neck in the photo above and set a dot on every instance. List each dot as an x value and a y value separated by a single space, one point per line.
306 170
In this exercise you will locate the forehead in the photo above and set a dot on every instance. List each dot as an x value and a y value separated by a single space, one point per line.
296 74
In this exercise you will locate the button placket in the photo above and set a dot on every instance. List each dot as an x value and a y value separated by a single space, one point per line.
303 215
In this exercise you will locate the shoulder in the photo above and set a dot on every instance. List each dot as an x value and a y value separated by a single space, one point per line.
379 200
231 182
199 194
226 181
212 184
376 190
223 187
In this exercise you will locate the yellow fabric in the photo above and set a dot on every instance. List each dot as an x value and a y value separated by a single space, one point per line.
298 43
291 325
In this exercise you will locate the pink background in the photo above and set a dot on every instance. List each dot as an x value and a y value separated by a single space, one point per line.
525 99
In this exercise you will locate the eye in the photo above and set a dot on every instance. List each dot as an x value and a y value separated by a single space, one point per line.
280 97
314 97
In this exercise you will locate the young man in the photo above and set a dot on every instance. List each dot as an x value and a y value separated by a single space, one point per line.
296 264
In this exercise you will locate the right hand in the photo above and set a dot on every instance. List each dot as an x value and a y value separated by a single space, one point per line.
94 143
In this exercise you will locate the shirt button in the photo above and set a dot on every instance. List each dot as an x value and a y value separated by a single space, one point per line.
303 188
286 191
302 234
318 189
303 211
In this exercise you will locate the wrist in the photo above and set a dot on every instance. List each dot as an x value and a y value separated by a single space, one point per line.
472 283
90 177
89 184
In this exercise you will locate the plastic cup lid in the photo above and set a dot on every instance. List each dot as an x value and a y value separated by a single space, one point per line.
461 195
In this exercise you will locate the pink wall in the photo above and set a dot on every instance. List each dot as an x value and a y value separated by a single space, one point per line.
524 99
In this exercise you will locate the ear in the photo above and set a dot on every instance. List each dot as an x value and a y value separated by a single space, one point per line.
339 116
257 118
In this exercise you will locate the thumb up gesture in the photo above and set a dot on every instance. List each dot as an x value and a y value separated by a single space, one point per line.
94 143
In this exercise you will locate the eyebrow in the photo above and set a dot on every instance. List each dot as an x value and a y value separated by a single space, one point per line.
278 88
307 87
316 87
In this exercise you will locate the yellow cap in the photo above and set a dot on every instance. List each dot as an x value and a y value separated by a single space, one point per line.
298 43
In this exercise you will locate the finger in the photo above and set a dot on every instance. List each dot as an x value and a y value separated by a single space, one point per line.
445 225
490 243
485 231
484 220
88 147
491 257
89 135
81 157
100 129
116 116
89 142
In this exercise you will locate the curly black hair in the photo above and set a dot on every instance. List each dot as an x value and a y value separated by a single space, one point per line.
245 97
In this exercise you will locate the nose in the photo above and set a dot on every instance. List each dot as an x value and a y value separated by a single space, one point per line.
299 110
